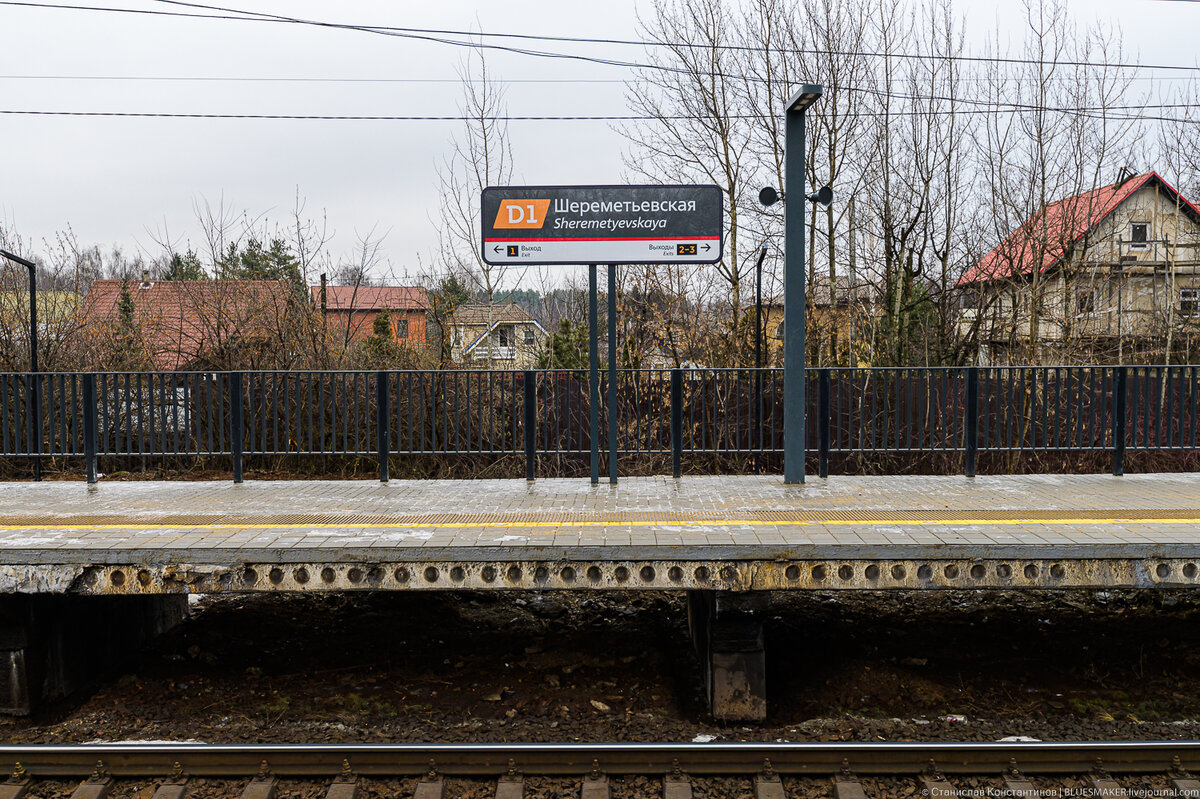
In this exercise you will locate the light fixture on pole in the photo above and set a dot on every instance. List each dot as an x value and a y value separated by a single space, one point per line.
34 386
823 196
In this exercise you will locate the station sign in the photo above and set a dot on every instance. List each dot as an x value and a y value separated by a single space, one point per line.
545 225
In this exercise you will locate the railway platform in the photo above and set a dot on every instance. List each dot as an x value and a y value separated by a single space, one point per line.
729 541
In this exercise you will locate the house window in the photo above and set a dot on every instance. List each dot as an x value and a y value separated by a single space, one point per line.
402 328
504 336
527 337
1085 302
779 331
1189 302
1139 235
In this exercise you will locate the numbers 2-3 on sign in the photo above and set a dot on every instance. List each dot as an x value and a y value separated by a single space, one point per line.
542 225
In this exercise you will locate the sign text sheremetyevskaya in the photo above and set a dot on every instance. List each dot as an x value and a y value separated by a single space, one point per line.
540 225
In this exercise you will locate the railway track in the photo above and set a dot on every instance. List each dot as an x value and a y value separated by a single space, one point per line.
932 769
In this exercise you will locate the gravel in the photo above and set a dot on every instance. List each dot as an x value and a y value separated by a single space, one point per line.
462 667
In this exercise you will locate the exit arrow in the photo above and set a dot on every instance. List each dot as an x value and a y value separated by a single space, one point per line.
496 248
707 247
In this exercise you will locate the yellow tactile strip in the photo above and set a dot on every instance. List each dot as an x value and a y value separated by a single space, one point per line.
600 519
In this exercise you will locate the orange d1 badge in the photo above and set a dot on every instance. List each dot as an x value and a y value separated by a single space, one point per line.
526 214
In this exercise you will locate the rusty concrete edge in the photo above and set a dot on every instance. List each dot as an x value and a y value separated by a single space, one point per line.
254 576
32 579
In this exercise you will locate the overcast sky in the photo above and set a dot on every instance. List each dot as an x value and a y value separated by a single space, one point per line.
124 181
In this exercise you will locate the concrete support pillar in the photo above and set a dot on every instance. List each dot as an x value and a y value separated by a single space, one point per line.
727 629
51 645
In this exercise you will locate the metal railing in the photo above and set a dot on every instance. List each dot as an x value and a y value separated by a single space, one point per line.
670 412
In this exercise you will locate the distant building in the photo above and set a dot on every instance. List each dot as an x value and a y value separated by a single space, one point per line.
1104 269
183 325
847 309
56 310
350 312
57 313
495 336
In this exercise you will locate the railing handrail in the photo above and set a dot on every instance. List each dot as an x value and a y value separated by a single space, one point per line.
663 369
661 411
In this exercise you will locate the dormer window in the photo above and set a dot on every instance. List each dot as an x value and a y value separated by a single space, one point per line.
1139 235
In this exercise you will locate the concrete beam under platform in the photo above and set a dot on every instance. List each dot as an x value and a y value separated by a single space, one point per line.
606 575
737 533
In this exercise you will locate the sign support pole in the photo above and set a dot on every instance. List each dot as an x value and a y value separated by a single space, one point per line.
612 374
594 373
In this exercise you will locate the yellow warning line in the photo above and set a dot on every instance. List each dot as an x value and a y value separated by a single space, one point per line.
514 525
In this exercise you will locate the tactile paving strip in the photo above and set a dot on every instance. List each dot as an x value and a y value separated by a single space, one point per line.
632 517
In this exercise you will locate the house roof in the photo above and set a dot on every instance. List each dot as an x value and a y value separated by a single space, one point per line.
1059 227
483 314
373 298
180 320
491 316
818 293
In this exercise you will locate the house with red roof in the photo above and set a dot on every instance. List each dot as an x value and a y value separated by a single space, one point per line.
194 325
350 312
1114 269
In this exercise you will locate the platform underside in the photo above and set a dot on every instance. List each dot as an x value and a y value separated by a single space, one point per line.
734 533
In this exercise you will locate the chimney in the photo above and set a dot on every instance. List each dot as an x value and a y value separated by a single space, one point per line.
145 278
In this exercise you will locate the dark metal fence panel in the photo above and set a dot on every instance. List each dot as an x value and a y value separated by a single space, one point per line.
1163 407
174 413
714 411
894 410
1046 408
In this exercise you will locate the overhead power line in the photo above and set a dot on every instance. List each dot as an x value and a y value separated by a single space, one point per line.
432 34
222 12
288 79
317 79
683 45
530 118
225 12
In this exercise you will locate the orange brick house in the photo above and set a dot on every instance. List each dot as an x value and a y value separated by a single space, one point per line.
350 312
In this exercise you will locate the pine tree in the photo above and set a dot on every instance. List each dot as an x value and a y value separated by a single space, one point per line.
567 347
127 353
381 350
185 267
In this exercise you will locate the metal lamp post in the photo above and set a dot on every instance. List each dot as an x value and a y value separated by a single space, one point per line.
34 393
793 285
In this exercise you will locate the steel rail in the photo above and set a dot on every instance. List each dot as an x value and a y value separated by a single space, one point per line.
566 760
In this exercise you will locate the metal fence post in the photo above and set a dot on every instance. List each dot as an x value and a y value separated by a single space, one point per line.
823 422
33 423
383 423
530 425
1119 397
593 375
677 422
612 374
236 426
89 426
971 444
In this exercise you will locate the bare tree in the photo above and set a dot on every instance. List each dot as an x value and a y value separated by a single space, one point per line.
698 129
1049 136
480 156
